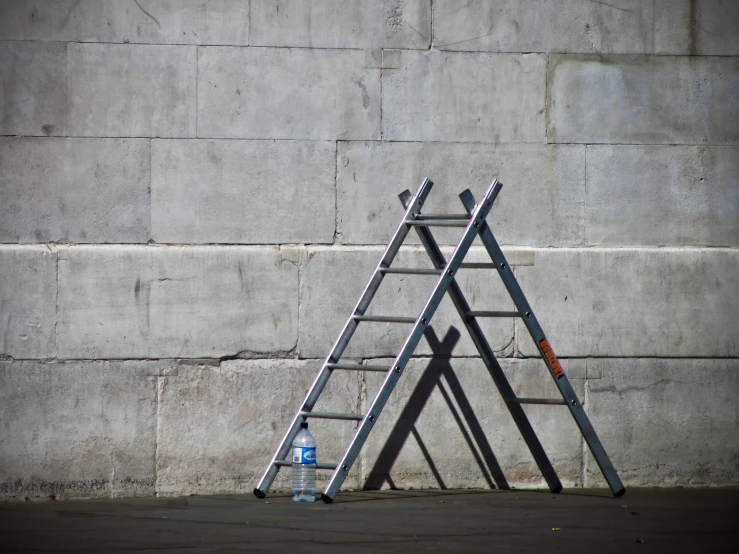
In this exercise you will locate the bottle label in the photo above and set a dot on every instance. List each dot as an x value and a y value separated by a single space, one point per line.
304 455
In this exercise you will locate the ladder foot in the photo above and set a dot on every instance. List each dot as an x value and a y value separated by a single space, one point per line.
326 498
557 489
620 492
259 494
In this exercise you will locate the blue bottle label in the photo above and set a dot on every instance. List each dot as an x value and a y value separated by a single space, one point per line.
304 455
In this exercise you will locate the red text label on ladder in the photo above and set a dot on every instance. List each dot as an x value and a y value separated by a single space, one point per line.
551 358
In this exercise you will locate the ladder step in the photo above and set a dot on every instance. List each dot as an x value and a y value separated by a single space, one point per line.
319 465
436 222
557 401
465 217
476 266
332 415
358 367
410 271
493 314
384 319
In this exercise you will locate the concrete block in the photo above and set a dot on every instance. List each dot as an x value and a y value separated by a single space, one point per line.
445 425
464 97
715 28
623 26
655 100
145 21
663 302
667 422
145 91
162 302
333 278
33 90
672 27
77 429
220 426
28 292
282 93
74 190
541 202
662 195
341 24
230 191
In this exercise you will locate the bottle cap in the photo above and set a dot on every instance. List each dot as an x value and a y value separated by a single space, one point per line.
304 425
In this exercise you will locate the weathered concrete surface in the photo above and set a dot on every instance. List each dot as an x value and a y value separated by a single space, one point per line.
230 191
716 22
33 90
634 302
662 195
638 100
668 422
341 24
74 190
160 302
220 425
145 21
445 426
145 91
277 93
623 26
77 429
28 292
463 97
541 202
601 119
673 26
333 278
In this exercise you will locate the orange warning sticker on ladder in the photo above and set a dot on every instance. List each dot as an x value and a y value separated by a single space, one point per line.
551 359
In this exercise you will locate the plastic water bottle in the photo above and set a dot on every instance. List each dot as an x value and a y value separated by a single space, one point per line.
304 466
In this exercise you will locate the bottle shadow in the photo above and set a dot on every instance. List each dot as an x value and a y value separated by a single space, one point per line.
405 426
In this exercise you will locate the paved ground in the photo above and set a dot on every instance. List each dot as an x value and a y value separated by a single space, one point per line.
646 520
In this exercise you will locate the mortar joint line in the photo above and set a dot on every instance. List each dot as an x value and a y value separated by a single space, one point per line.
66 90
158 383
197 85
336 192
431 38
56 306
248 25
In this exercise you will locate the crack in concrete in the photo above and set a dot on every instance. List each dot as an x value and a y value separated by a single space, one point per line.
154 19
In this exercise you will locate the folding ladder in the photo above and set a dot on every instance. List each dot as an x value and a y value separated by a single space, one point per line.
474 224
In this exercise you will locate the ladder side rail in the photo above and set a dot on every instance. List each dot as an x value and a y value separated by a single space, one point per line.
319 383
542 344
490 361
477 219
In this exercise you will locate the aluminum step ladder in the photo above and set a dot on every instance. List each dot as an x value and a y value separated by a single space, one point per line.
474 224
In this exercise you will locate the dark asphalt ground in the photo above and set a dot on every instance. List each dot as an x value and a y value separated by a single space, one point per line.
644 521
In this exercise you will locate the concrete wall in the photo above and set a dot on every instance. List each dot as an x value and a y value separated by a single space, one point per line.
193 194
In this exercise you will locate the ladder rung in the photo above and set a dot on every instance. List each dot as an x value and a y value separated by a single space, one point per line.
476 266
436 222
358 367
319 465
493 314
465 217
410 271
332 415
385 319
538 401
